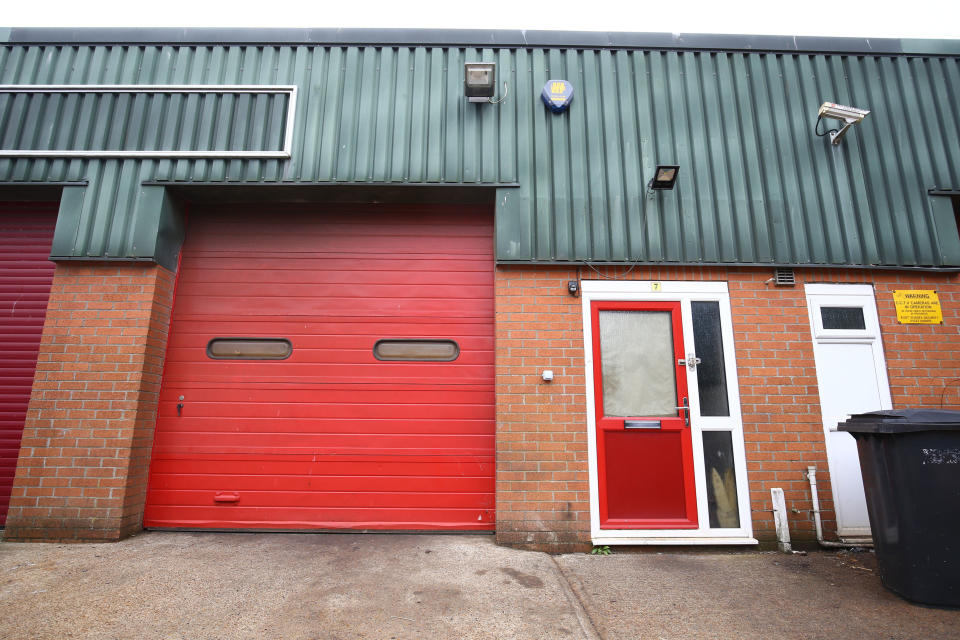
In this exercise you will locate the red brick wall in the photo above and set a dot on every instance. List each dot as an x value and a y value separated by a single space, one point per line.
542 491
86 446
85 452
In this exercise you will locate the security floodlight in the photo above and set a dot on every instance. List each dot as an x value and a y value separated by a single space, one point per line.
479 82
849 115
664 178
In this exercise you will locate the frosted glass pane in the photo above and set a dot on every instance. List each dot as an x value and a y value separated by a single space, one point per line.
636 356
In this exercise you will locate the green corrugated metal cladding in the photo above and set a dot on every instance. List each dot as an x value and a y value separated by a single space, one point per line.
755 186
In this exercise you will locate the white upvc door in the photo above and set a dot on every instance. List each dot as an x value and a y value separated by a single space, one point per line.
852 378
696 492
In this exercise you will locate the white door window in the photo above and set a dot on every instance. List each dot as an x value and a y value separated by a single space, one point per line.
665 435
852 378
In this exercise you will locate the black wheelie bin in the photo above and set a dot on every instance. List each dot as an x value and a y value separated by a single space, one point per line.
910 462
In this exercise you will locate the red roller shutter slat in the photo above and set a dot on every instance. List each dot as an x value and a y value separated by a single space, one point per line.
26 233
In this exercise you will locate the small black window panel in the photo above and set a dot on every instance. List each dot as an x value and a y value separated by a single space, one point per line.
711 372
416 350
842 318
249 349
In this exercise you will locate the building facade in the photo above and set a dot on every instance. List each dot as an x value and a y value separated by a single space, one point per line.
296 279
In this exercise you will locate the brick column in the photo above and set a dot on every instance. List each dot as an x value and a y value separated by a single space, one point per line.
85 453
543 497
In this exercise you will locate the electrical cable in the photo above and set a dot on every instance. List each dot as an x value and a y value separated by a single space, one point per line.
946 385
816 128
620 277
505 93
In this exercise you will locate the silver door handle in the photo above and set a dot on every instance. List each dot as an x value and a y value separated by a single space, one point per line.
685 409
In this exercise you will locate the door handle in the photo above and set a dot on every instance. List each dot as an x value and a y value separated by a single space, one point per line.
685 410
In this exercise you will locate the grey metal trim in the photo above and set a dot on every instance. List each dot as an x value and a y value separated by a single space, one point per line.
495 39
290 90
320 185
40 185
57 258
943 192
724 265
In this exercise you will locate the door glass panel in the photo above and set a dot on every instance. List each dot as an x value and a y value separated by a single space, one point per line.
842 317
249 349
636 355
416 350
711 372
721 480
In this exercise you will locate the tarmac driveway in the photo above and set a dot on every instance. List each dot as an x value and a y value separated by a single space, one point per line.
340 586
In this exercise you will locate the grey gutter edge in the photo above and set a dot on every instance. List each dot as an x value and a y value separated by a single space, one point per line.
725 265
497 39
320 185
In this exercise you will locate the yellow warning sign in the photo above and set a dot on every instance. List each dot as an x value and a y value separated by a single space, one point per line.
917 307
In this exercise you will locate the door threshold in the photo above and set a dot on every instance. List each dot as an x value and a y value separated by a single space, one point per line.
675 541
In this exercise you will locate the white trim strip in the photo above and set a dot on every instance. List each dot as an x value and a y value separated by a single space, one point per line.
290 90
600 540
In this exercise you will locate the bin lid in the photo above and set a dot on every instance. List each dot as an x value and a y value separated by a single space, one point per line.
902 421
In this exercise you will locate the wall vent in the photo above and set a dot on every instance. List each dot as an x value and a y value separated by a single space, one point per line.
784 277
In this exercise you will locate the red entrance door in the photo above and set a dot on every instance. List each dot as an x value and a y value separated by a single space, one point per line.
644 449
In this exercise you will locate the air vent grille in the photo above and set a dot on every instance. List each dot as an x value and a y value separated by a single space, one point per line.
784 277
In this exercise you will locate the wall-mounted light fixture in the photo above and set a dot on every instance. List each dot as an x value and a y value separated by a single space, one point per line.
664 178
572 287
479 82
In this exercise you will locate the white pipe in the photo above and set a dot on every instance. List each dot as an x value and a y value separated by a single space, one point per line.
812 476
780 520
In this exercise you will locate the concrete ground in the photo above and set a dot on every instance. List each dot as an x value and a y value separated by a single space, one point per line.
340 586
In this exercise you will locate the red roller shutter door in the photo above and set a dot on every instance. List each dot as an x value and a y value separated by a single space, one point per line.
26 232
330 437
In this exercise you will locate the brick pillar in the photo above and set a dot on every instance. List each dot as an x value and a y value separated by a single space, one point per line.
85 453
542 485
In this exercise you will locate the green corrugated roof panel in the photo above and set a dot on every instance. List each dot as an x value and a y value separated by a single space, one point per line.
756 186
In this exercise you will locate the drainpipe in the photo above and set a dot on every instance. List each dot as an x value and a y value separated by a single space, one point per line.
827 544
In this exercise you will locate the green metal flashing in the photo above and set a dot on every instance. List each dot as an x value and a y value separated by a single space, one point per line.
756 185
159 230
66 233
482 38
945 225
930 47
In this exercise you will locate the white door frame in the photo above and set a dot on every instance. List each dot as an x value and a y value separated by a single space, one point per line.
846 295
685 293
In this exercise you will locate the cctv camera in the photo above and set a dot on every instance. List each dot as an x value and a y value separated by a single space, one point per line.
850 115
